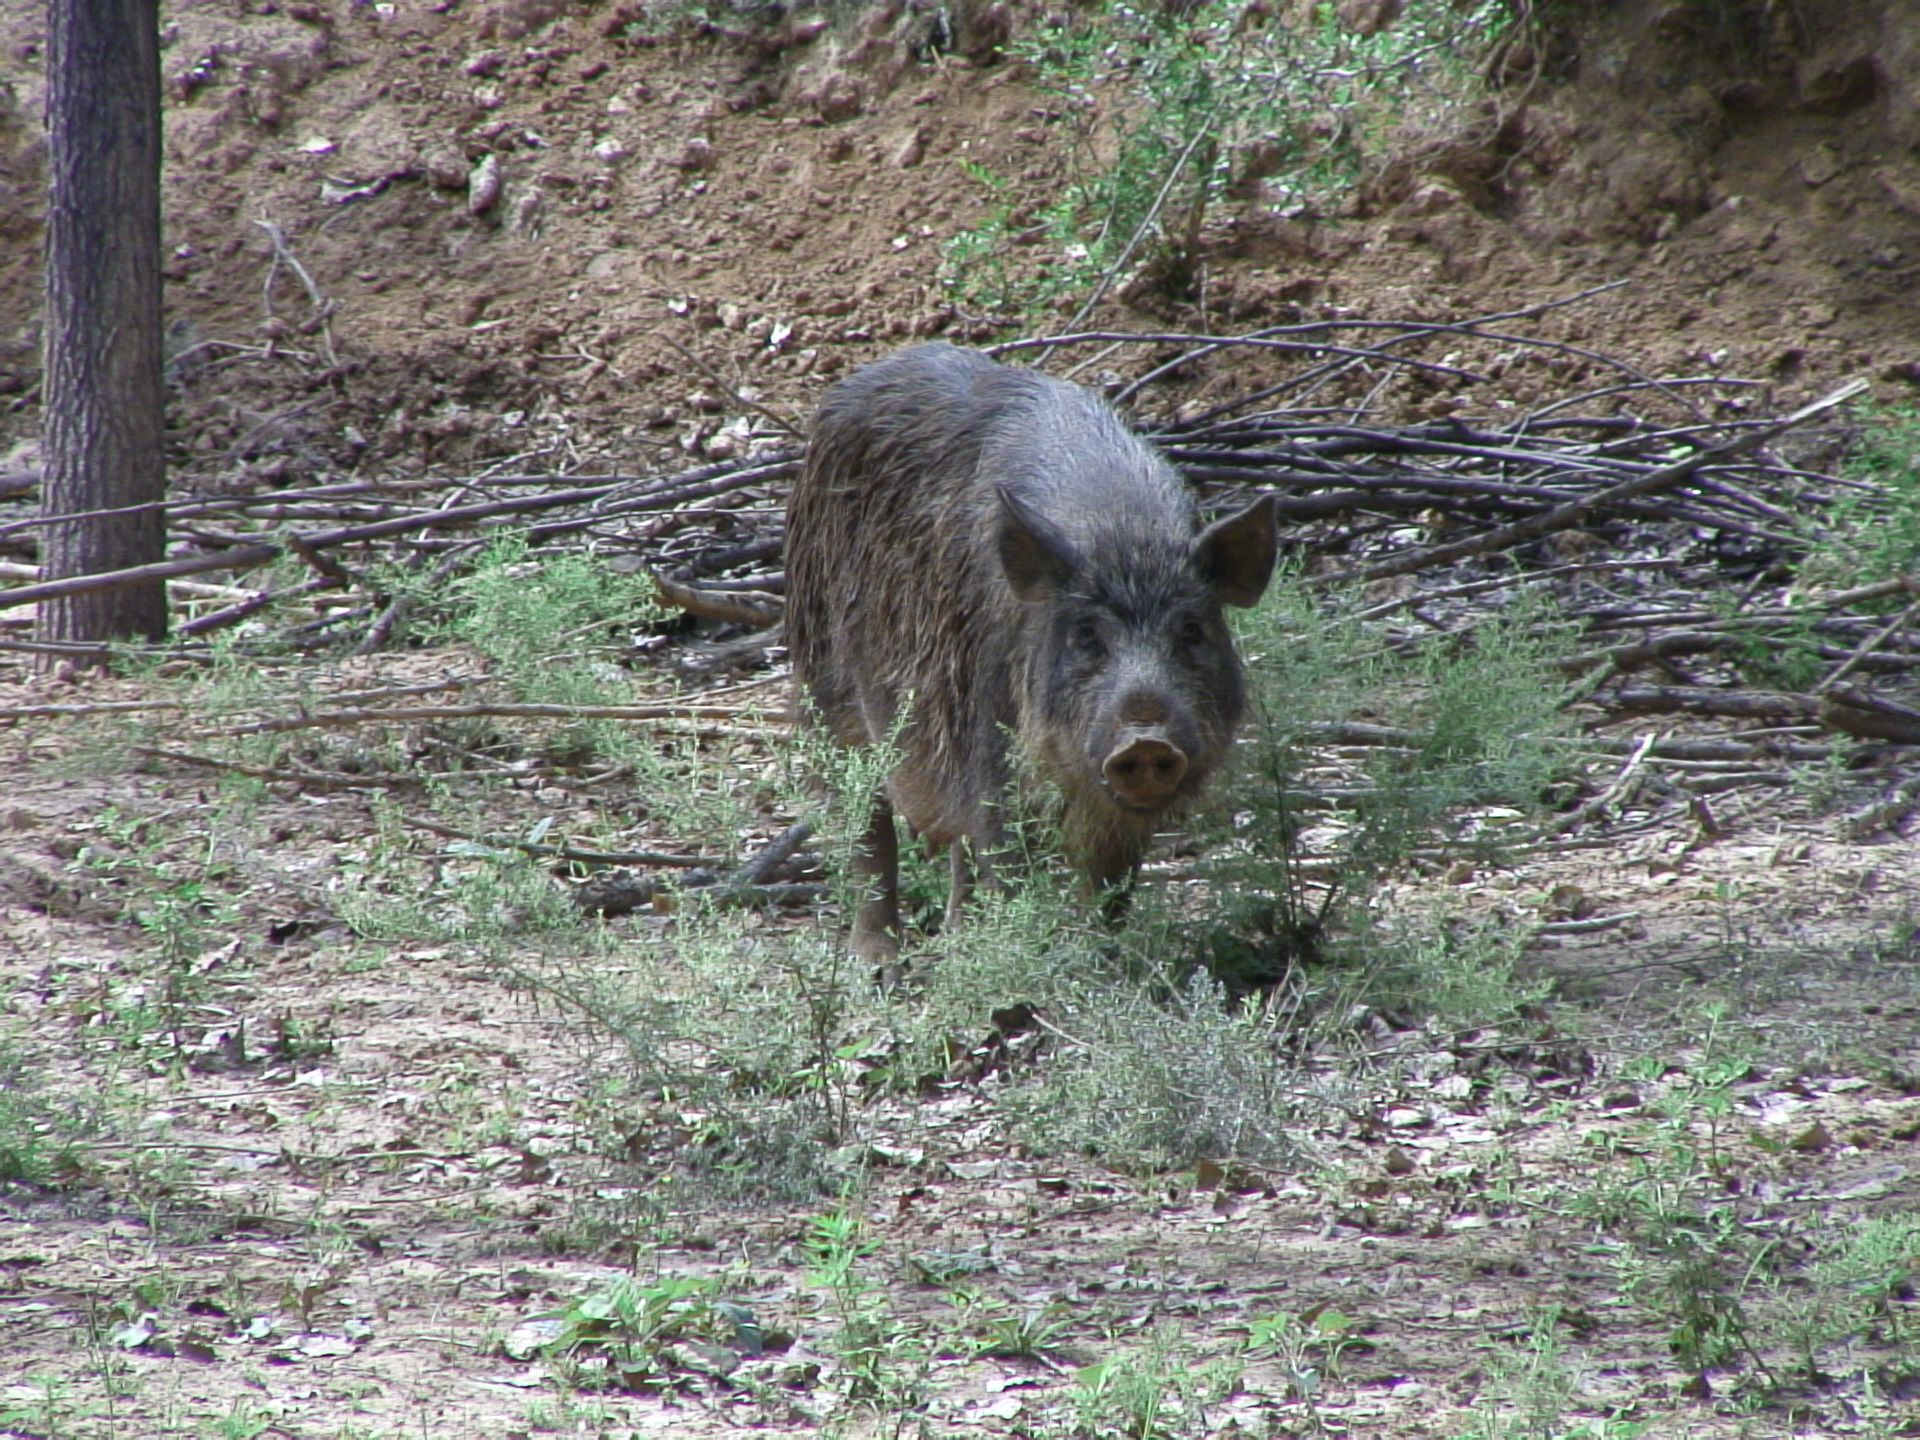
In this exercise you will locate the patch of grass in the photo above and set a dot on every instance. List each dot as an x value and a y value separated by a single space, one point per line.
1686 1253
40 1404
1873 533
243 1421
1457 974
1786 655
1161 1390
1029 1333
549 624
40 1134
1780 1298
1167 1078
1861 1287
1531 1388
487 899
975 263
172 996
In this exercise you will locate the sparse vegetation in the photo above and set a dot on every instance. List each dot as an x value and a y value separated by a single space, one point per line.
755 1063
336 1094
1875 534
1169 108
1157 1391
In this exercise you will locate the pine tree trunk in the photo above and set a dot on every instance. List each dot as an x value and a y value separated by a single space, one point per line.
103 402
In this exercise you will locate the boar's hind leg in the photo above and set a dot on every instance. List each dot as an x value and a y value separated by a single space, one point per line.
876 929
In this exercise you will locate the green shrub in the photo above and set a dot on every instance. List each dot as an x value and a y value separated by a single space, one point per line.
1169 107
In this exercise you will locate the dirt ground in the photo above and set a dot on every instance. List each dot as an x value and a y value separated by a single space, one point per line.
349 1234
677 214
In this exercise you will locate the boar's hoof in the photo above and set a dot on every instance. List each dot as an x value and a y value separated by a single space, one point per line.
1145 769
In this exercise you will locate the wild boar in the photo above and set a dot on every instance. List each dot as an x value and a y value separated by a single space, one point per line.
980 557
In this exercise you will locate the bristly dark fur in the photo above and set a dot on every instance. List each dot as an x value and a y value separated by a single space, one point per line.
939 489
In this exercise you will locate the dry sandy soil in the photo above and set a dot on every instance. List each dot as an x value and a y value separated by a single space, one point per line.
340 1222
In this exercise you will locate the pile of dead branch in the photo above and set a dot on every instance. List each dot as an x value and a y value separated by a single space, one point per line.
1665 518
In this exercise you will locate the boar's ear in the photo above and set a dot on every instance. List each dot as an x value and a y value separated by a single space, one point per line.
1036 557
1235 555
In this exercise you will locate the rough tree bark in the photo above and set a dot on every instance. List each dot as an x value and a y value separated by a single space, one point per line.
103 398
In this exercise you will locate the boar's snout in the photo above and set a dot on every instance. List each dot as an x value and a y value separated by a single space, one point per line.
1145 768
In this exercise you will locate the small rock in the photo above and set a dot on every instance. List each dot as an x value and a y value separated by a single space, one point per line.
1431 197
1817 168
1569 902
487 62
483 185
1904 195
1840 87
911 151
609 151
1369 17
446 171
525 213
1812 1141
837 97
696 155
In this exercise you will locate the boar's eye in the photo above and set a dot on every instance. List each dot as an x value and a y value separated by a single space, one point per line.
1085 642
1193 633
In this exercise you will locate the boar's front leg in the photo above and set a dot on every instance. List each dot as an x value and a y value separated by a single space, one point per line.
876 868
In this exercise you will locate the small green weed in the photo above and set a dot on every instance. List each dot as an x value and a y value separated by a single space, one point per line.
616 1335
1308 1346
885 1359
1874 531
40 1134
1161 1391
48 1408
480 896
1686 1250
1026 1333
1468 726
1168 1077
974 264
548 621
1530 1389
243 1421
170 884
1861 1286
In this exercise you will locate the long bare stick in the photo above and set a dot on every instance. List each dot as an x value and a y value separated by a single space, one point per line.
1565 516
